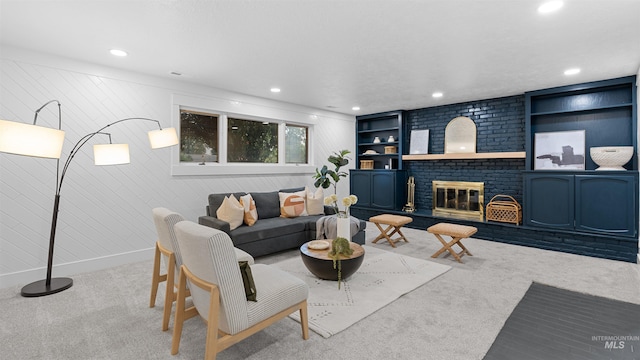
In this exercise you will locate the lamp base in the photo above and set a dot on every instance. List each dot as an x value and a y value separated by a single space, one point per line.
40 288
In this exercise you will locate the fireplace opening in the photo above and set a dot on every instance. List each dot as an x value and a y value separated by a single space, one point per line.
461 199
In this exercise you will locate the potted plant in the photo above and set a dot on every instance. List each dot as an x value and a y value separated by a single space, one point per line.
326 177
339 246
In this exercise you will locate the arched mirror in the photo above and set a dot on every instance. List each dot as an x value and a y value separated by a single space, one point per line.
460 136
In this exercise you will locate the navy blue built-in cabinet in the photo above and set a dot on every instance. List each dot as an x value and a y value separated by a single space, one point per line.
595 202
590 201
380 189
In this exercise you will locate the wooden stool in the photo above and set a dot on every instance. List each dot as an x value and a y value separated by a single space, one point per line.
457 233
394 222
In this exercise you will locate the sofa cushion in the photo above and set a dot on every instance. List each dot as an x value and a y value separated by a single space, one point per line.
231 211
267 204
266 229
215 200
293 204
250 212
315 201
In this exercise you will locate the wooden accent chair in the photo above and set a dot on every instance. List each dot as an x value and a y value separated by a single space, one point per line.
167 247
218 293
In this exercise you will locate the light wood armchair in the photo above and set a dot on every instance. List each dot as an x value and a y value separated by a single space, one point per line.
164 220
211 270
167 246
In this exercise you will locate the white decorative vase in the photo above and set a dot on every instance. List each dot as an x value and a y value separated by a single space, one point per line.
344 227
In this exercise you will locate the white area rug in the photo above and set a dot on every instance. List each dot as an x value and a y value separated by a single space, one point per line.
383 277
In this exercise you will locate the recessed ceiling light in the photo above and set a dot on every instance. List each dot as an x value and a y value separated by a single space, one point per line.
355 108
572 71
117 52
437 94
550 6
275 90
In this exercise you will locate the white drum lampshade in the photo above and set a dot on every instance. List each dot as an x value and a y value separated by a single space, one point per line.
111 154
163 138
30 140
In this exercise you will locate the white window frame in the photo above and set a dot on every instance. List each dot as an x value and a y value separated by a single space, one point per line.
224 109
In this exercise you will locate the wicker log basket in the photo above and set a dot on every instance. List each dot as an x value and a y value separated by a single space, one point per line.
504 208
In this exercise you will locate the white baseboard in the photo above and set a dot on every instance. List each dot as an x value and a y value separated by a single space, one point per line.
74 268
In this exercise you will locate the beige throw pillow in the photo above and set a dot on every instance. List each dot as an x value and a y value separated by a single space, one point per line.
250 211
231 211
293 204
315 202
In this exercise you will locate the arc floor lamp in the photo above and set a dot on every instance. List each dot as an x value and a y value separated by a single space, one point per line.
38 141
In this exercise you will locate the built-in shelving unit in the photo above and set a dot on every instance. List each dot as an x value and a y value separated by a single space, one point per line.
372 135
465 156
585 201
379 180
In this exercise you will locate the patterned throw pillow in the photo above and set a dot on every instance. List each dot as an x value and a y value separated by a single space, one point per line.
250 212
231 211
293 204
315 202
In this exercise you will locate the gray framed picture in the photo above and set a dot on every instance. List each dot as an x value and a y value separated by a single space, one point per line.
560 150
419 142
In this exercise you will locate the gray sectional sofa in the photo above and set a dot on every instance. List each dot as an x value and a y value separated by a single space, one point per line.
271 233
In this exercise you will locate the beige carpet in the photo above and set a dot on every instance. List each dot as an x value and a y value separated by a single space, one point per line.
383 277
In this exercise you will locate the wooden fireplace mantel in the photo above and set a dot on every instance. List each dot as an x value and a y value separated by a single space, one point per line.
466 156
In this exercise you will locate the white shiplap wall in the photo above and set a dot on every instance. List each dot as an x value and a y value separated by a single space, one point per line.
105 212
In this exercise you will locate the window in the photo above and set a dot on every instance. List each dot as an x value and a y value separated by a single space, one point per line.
220 143
296 144
198 137
252 141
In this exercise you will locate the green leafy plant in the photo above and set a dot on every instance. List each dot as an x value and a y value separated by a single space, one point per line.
339 246
326 177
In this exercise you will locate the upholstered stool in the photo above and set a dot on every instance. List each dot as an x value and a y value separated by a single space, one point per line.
394 223
457 233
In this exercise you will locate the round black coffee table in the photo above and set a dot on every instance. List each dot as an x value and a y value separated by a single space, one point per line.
321 265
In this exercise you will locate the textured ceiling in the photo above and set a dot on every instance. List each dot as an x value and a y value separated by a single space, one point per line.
379 55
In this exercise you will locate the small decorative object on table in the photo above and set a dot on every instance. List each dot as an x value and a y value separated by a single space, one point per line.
344 222
318 245
339 246
505 210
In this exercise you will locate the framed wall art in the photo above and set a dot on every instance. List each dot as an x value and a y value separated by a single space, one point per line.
419 142
560 150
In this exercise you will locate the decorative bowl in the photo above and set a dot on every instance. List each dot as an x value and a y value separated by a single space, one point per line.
318 245
611 157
